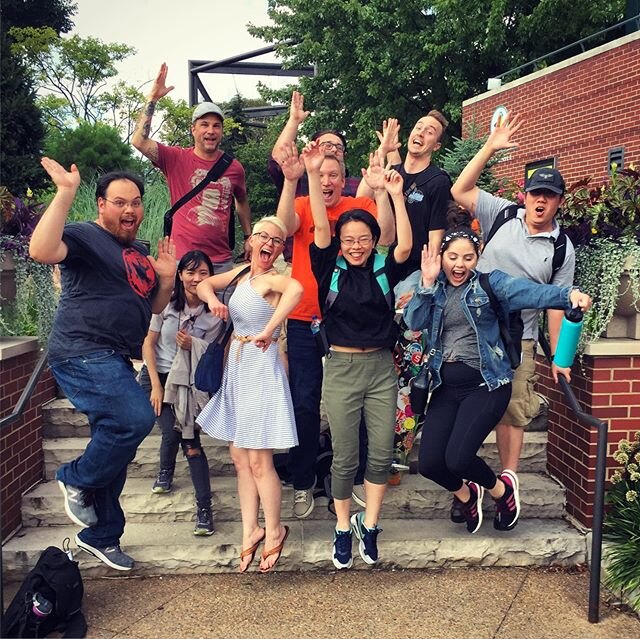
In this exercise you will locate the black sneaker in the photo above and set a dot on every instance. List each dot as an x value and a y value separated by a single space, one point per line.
78 504
473 508
342 549
204 522
111 555
457 511
368 537
508 506
163 482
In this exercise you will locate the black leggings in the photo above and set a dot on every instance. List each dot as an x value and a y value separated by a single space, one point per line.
461 413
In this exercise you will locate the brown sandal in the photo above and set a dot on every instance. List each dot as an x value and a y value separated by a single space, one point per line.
275 551
251 551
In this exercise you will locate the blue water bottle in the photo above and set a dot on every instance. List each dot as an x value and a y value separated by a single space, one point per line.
568 338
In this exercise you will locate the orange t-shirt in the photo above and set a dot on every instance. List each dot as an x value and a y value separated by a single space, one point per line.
302 239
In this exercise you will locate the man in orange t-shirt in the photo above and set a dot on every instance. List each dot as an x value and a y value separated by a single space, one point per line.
305 359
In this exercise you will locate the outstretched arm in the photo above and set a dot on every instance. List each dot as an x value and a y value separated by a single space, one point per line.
393 185
297 115
293 169
313 158
140 138
464 191
46 243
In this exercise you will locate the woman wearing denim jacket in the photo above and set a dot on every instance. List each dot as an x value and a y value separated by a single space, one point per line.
470 370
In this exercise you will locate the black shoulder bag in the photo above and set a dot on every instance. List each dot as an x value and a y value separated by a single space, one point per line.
208 375
215 172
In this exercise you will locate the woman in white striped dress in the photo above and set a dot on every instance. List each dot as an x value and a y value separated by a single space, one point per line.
253 410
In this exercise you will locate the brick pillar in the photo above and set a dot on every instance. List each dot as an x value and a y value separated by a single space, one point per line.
21 458
607 385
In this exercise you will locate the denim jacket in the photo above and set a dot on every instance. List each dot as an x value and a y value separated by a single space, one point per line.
425 311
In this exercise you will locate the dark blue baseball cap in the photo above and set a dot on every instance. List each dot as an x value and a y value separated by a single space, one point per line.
549 179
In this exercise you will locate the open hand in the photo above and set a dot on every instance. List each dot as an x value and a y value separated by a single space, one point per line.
393 182
296 111
430 265
290 161
313 157
373 175
389 141
501 137
159 88
165 264
62 178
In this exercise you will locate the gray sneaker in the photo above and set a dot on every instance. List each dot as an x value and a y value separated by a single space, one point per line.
163 482
303 503
357 494
78 504
111 555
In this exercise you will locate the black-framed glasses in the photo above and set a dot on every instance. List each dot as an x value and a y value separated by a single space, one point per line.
327 146
366 240
265 237
122 204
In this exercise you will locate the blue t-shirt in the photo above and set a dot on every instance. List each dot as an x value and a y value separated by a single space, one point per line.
107 294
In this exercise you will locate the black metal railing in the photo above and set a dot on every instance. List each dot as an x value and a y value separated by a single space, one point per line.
7 420
598 505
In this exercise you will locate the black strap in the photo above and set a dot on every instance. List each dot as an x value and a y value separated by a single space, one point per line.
430 173
214 173
497 309
559 244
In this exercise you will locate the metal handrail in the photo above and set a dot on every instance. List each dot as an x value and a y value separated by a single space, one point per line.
580 42
7 420
598 505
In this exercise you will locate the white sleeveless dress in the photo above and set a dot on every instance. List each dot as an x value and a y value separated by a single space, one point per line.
253 407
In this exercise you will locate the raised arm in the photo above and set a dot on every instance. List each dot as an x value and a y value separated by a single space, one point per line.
297 115
140 138
387 152
293 169
46 243
244 215
393 185
374 177
313 158
465 191
165 266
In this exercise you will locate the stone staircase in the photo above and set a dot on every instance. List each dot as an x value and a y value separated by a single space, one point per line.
417 531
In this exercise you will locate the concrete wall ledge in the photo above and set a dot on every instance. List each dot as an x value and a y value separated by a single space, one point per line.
14 346
612 347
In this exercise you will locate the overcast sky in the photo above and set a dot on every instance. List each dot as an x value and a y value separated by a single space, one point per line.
175 32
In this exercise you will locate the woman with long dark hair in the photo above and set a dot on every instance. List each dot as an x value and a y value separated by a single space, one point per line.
176 339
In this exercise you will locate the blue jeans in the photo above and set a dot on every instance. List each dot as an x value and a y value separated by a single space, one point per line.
305 382
103 385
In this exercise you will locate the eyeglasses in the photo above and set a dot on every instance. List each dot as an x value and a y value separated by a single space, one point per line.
122 204
265 237
350 241
332 145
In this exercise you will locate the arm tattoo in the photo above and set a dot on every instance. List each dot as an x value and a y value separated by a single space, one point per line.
145 119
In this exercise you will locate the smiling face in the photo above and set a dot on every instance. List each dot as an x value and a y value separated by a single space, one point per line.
541 205
120 211
459 259
190 276
267 242
207 134
425 136
356 242
332 181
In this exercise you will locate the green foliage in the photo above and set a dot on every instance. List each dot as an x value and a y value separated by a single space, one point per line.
383 58
74 69
94 148
622 523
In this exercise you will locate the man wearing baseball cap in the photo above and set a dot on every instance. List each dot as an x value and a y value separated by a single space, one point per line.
527 245
203 222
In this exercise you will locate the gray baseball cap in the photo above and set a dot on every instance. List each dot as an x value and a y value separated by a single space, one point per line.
204 108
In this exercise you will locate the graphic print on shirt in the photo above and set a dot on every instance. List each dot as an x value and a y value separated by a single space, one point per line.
213 204
140 273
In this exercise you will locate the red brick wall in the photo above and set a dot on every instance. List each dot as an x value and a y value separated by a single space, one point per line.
574 113
21 458
609 389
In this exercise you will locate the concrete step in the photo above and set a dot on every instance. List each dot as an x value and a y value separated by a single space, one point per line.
415 497
63 449
170 548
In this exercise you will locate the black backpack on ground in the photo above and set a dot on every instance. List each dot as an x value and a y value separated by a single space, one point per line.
56 579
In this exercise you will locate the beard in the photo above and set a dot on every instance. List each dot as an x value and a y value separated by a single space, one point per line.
126 237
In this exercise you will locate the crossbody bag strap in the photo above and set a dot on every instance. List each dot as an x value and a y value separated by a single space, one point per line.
215 172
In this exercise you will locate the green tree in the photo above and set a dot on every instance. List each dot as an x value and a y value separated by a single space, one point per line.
383 58
75 69
94 148
21 129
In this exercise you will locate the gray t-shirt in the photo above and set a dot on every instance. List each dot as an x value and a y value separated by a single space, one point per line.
518 253
459 341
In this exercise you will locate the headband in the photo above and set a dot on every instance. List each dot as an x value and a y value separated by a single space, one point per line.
466 235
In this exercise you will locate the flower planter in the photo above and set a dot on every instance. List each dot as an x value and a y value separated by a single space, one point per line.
626 318
7 277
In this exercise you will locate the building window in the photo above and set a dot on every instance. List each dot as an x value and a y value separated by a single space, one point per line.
615 158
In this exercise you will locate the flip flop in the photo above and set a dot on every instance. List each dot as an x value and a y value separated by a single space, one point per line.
251 551
275 551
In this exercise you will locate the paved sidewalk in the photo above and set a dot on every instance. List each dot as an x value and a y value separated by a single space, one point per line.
465 603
